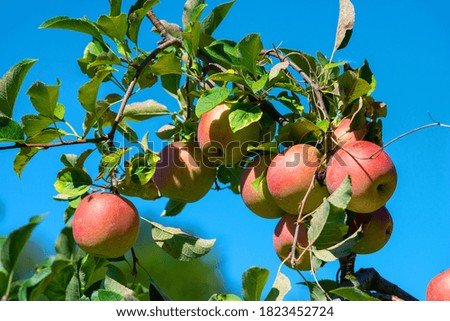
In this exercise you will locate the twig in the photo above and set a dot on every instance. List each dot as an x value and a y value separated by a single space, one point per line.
157 23
58 144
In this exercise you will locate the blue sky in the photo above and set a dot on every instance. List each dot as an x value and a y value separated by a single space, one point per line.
407 46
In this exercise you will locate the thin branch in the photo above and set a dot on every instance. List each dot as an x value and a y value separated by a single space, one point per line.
58 144
157 23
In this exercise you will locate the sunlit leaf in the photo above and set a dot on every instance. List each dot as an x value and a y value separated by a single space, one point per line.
114 27
242 115
210 99
253 282
213 20
136 15
81 25
353 294
345 24
44 98
72 181
10 131
144 110
280 288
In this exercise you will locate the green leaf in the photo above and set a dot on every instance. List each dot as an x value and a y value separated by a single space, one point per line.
44 98
171 83
178 244
167 64
249 49
136 15
316 291
338 250
65 244
189 8
231 176
10 85
15 242
213 20
106 295
87 94
33 124
280 288
342 195
10 131
242 115
345 24
115 27
80 25
115 7
192 39
22 158
224 52
144 110
229 76
210 99
306 62
366 73
256 86
46 136
253 282
353 294
72 181
173 208
109 163
114 285
224 297
276 69
349 87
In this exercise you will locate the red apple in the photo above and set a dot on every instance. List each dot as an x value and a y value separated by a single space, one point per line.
181 173
376 230
342 134
290 175
439 287
105 225
218 142
283 238
372 175
259 200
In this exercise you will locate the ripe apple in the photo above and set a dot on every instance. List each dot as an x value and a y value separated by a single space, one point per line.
439 287
342 134
105 225
376 230
373 178
181 173
290 175
218 142
283 238
259 200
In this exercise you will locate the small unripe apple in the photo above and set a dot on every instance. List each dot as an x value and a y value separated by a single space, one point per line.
182 174
283 238
290 175
439 287
376 230
218 142
105 225
372 174
342 134
259 200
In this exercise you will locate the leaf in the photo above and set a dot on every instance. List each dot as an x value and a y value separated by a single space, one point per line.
109 162
280 288
65 243
173 208
338 250
136 15
213 20
353 294
167 64
224 297
171 83
33 124
210 99
105 295
87 94
22 158
113 285
15 242
249 49
10 85
46 136
192 39
10 131
147 191
189 9
366 73
345 24
166 131
144 110
349 87
256 86
178 244
253 282
72 181
316 291
276 69
80 25
243 115
224 52
44 98
342 195
115 27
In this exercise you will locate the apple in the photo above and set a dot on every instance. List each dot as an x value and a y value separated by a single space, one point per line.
259 200
105 225
372 174
342 134
181 173
283 238
290 175
218 142
376 230
439 287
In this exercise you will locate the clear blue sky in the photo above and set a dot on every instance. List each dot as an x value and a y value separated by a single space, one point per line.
407 46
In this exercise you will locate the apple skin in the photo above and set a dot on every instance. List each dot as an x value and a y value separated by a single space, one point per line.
439 287
218 142
342 134
373 180
181 173
376 230
259 201
289 177
283 238
105 225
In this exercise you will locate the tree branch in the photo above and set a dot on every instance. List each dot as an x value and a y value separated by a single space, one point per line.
58 144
